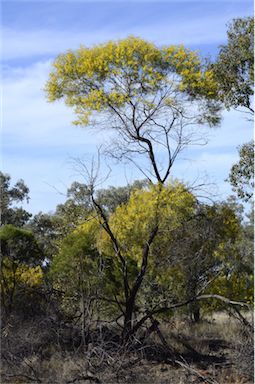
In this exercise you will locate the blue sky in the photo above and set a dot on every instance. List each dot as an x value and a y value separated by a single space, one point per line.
38 138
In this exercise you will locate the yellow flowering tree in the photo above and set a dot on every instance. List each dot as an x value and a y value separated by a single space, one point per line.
135 238
92 274
151 97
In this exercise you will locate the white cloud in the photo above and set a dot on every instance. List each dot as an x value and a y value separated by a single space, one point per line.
28 119
235 130
38 137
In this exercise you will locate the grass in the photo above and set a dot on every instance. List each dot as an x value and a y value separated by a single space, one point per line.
216 350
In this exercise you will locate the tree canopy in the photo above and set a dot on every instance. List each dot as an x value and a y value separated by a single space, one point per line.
241 175
11 214
150 97
234 68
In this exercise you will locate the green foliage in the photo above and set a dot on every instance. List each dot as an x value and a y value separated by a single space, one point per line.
77 208
48 229
51 229
75 270
112 197
22 251
86 263
237 285
234 67
20 264
235 280
9 196
199 249
19 275
19 245
246 245
241 175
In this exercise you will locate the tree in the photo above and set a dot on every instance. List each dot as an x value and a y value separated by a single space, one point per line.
241 175
87 266
247 242
140 231
234 68
200 250
112 197
75 209
74 237
10 195
235 255
150 97
76 271
48 230
234 72
78 206
20 263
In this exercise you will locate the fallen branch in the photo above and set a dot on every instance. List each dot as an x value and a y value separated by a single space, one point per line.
156 311
222 298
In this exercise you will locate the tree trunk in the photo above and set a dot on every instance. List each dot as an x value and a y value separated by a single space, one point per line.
128 320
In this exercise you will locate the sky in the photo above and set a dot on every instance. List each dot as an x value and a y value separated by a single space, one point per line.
38 139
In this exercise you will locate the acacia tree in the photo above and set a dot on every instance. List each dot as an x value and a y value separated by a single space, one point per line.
151 98
97 268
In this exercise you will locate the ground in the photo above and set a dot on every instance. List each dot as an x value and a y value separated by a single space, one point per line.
217 350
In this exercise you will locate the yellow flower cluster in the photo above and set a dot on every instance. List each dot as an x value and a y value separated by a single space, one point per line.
114 73
132 222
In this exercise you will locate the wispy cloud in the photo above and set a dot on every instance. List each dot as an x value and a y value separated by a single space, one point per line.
25 43
29 120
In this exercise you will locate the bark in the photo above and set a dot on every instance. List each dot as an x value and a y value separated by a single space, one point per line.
128 330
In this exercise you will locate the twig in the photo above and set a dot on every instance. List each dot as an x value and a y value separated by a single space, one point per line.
197 373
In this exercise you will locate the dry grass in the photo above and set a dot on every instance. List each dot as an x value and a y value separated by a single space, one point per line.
216 349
